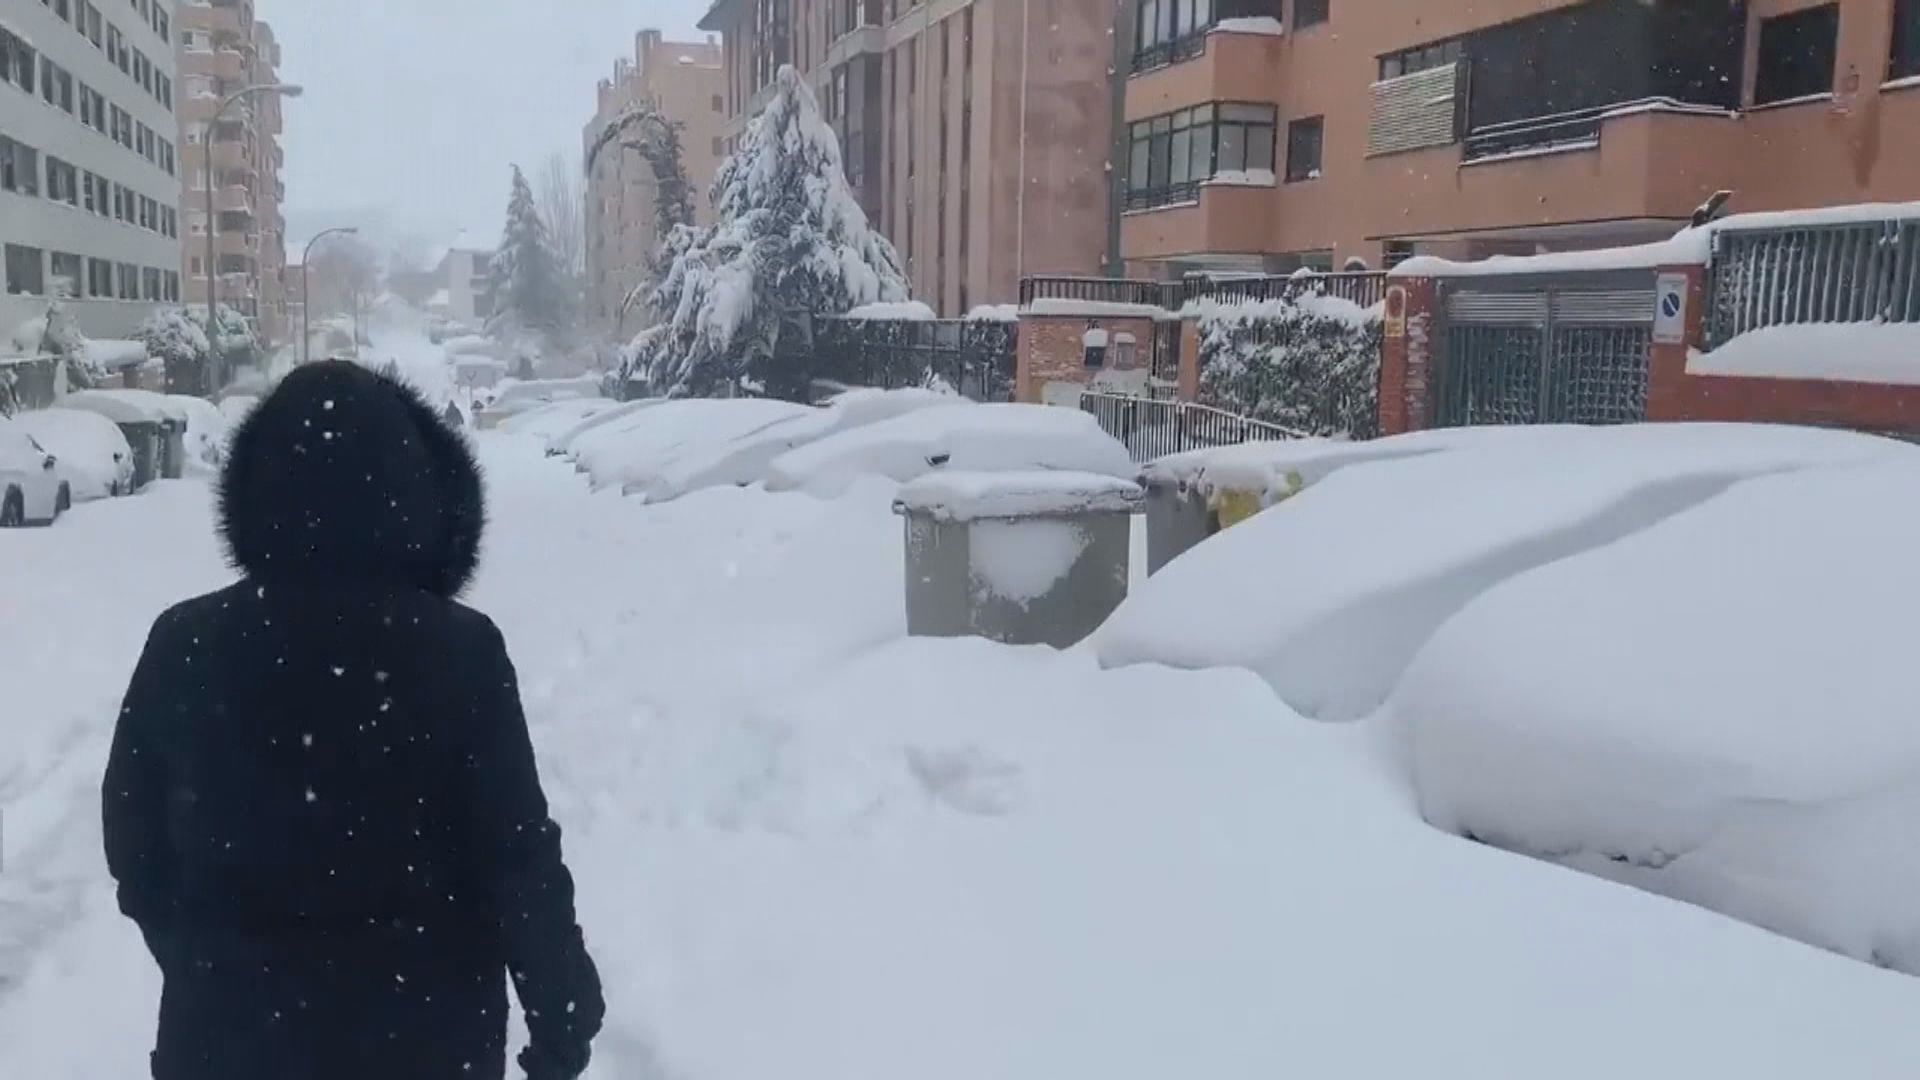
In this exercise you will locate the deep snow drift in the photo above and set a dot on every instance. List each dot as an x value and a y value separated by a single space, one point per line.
1724 713
808 848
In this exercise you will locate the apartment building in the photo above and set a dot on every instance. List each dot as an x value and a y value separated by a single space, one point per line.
223 49
684 82
977 134
1265 135
89 171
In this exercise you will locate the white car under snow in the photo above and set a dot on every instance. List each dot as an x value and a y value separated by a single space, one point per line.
32 489
93 455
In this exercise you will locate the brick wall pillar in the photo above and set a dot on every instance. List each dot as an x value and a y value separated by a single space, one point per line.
1189 359
1406 355
1669 387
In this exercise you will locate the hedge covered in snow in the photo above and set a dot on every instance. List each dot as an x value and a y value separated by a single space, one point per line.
1310 363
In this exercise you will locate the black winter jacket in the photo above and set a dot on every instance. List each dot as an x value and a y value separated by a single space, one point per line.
321 804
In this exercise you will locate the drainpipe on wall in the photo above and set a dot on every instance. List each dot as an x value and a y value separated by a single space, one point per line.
1118 157
1020 200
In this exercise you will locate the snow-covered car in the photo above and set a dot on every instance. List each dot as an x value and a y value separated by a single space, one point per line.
33 490
512 398
91 452
973 438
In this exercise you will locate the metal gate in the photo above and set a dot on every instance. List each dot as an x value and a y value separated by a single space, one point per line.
1537 350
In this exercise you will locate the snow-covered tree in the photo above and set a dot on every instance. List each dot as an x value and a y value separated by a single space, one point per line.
529 289
789 242
56 334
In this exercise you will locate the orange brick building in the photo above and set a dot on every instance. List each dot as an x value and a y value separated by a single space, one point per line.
1266 135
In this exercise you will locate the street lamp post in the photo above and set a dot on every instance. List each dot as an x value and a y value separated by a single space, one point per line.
206 162
306 294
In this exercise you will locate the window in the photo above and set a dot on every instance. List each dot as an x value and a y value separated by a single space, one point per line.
122 123
1171 155
19 167
93 109
94 22
26 271
100 279
1421 58
167 160
63 182
718 146
1906 40
162 25
98 199
18 62
64 9
129 281
56 85
150 284
1303 148
115 47
1167 31
1309 13
67 274
173 286
1796 55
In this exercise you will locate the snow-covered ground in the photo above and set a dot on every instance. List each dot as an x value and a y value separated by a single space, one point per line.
810 848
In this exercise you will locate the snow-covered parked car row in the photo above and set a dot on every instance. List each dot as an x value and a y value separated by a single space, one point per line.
663 450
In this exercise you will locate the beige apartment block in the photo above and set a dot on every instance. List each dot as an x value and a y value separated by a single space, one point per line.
1265 136
223 48
978 134
683 81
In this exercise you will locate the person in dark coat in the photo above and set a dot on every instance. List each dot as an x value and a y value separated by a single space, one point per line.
321 805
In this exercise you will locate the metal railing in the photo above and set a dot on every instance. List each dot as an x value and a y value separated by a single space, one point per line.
1844 272
1575 130
1363 287
1172 52
1169 195
1096 290
1153 427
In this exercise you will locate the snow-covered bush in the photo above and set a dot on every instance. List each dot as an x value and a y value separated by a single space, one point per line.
789 242
56 334
1310 363
175 338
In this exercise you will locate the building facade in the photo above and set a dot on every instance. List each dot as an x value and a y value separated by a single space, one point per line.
1265 135
223 48
683 81
977 134
89 169
464 285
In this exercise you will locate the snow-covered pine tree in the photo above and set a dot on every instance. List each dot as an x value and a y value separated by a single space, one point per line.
789 242
529 293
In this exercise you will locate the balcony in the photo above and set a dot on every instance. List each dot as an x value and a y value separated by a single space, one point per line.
1217 219
230 64
237 243
1649 162
1230 66
234 199
230 156
239 285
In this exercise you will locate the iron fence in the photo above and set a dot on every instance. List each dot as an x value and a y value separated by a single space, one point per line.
1571 349
1843 272
975 357
1154 427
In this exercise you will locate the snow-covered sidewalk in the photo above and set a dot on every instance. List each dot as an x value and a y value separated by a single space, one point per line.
810 848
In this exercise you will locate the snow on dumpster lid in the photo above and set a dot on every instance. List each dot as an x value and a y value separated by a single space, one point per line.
968 496
127 406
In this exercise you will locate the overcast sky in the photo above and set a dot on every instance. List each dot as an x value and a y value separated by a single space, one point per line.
415 110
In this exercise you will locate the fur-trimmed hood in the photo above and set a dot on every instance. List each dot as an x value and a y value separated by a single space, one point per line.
346 474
